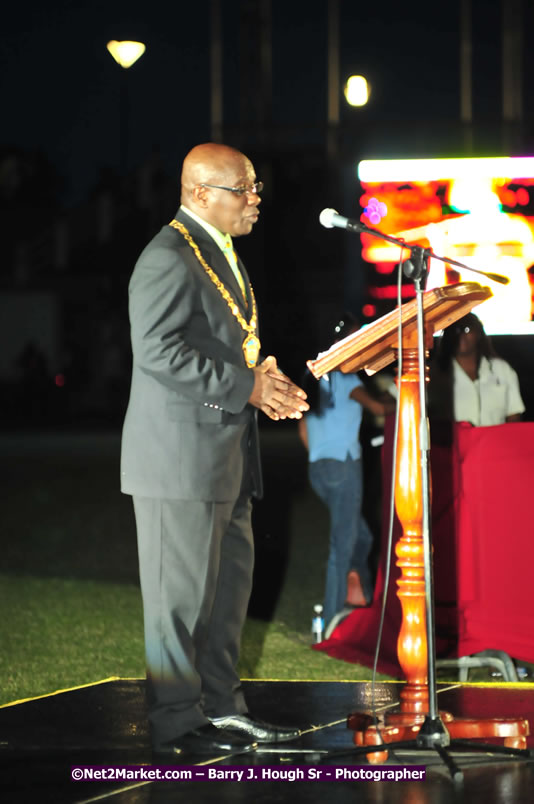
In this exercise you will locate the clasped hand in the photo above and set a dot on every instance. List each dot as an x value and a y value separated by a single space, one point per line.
275 394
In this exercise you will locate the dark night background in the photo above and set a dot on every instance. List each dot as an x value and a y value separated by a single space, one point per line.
77 206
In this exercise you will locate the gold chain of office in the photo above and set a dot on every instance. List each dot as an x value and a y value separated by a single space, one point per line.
251 345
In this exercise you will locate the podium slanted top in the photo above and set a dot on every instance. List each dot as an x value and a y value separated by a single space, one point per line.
374 347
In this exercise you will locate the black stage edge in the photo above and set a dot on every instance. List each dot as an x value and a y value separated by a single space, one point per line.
105 725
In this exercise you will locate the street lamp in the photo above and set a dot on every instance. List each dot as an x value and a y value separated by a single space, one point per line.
125 54
357 90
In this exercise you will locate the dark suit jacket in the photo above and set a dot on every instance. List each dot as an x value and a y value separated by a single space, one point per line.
189 432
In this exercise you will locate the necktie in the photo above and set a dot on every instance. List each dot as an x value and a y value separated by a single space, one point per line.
229 253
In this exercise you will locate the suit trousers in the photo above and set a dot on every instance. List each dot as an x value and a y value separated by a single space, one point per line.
196 561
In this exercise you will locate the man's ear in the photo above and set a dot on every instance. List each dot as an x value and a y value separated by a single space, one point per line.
200 195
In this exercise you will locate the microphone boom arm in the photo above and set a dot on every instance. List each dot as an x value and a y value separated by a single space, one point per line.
361 228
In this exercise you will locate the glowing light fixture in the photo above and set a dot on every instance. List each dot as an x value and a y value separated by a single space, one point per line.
126 53
391 170
357 90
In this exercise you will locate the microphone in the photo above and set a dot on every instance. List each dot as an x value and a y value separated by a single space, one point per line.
330 218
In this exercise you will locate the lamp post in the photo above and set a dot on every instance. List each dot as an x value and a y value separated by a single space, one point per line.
356 92
125 54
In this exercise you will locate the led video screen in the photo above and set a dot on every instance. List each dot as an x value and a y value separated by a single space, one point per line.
477 211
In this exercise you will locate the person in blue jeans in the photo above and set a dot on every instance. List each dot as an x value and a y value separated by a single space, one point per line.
330 432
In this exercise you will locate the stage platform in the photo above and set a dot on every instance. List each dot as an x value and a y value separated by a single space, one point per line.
105 725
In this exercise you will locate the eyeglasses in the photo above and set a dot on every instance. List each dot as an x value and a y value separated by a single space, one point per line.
252 189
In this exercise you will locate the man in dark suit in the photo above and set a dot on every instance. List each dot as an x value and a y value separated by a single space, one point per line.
190 455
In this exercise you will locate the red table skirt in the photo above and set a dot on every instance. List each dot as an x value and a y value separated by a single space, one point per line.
483 537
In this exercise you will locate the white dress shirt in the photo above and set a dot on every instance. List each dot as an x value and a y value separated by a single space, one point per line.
490 398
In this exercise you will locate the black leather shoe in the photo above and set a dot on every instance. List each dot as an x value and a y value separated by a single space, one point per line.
256 730
208 739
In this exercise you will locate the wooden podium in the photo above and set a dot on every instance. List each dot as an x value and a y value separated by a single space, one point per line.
373 348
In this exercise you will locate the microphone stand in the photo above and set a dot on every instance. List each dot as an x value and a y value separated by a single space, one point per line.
433 733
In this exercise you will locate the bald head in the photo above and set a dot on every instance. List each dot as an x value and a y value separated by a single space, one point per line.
215 164
210 163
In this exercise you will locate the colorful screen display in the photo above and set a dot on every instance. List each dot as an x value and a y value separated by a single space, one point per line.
477 211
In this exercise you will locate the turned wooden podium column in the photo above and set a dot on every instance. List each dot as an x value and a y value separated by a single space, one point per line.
412 642
374 348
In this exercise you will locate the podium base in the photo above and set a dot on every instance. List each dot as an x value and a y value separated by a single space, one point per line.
419 732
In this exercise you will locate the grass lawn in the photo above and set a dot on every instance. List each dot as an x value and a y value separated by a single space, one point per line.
69 588
64 633
61 633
